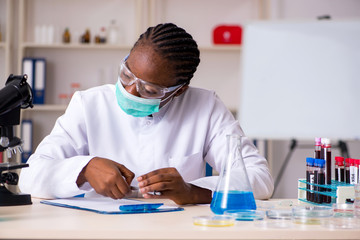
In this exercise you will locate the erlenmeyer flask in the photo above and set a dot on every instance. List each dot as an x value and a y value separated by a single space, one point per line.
233 190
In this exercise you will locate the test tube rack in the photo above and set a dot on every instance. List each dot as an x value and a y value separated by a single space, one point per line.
340 191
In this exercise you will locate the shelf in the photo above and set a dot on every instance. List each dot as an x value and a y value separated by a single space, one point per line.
221 47
85 46
47 108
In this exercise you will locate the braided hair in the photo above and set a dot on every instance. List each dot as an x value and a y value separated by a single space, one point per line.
176 45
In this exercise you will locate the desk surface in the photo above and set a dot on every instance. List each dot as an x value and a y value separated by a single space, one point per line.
40 221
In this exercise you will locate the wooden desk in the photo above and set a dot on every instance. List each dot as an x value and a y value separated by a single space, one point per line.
40 221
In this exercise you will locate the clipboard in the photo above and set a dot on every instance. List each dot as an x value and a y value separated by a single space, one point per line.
104 205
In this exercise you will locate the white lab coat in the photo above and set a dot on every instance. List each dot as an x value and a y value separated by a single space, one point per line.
186 133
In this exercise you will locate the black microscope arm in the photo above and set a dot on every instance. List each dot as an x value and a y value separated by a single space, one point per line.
16 94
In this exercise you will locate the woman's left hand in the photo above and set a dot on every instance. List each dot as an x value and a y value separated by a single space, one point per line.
168 183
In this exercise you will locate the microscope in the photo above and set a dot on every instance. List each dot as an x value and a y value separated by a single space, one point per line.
16 95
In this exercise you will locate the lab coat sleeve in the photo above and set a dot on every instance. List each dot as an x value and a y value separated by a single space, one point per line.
60 157
222 124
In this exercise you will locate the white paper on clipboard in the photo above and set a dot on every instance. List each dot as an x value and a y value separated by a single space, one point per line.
106 205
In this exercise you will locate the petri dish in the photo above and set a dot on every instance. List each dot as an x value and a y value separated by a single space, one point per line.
246 215
345 217
214 221
266 205
343 210
311 215
341 222
271 204
278 218
281 213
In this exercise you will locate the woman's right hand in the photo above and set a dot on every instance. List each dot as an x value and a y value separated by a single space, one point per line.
107 177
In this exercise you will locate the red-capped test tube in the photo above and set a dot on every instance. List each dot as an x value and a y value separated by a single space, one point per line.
357 164
317 152
347 170
339 169
353 171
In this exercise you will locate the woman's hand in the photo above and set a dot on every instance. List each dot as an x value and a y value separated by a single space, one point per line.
107 177
168 183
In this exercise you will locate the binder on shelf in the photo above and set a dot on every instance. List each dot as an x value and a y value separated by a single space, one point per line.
39 81
28 68
1 157
26 136
35 68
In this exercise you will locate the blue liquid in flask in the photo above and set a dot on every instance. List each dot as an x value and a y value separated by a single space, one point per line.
233 200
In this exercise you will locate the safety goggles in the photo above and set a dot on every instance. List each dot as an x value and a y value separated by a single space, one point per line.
144 88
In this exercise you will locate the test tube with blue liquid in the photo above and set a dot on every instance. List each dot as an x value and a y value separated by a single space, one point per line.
233 190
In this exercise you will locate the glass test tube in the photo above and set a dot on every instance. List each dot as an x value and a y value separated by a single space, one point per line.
339 169
317 152
310 178
347 170
353 171
327 158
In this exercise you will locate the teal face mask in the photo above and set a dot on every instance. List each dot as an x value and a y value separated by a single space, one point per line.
133 105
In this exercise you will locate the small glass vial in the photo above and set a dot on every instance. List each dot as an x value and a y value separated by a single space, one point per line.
102 35
113 33
66 36
85 38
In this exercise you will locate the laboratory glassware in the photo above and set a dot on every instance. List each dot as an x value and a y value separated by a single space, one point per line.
233 190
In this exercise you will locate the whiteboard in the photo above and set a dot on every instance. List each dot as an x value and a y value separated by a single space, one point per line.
301 80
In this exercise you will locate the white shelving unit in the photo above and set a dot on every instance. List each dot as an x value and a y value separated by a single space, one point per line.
6 7
95 64
87 64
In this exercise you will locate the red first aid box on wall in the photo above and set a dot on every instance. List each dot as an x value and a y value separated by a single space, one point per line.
227 34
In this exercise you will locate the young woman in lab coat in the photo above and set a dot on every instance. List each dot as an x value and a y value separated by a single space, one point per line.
149 130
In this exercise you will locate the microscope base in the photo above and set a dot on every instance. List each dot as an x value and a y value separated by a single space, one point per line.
8 198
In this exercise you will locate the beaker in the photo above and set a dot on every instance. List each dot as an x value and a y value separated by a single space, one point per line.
233 190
